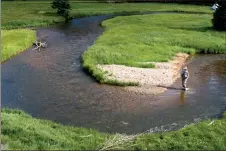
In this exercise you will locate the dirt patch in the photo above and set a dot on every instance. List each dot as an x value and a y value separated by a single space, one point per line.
151 80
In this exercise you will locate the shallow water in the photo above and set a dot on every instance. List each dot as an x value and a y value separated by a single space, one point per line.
51 84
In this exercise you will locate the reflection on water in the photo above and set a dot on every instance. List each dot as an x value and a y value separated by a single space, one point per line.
51 84
182 97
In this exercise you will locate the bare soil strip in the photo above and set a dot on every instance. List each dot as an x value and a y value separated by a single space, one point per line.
151 80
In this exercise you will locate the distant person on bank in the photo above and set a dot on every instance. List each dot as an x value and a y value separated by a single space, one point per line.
215 6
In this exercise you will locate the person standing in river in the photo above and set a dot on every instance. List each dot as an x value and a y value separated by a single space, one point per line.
184 77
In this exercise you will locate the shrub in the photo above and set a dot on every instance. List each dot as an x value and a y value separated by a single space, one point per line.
62 7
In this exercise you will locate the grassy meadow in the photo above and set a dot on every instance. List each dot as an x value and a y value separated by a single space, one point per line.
15 41
21 14
21 131
26 14
136 40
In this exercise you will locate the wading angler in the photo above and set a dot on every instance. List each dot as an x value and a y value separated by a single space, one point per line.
184 77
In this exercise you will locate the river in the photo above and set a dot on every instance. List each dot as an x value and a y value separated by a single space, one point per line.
51 84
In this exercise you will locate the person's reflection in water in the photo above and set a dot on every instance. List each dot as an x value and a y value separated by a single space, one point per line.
182 97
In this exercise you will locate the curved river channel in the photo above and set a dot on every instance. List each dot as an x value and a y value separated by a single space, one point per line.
51 84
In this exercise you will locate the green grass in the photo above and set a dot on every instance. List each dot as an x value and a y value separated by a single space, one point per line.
132 40
20 131
15 41
200 136
40 13
27 14
81 9
22 14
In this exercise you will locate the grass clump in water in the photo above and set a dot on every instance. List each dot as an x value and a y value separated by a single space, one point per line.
135 39
15 41
21 131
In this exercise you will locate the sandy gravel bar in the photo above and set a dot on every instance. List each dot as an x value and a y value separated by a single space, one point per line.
151 80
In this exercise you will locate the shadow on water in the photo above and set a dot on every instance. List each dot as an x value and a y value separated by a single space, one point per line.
170 87
51 84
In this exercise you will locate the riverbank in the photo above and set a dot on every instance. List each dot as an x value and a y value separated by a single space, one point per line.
140 40
21 131
15 41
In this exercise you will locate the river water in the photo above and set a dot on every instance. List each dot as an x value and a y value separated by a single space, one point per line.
51 84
